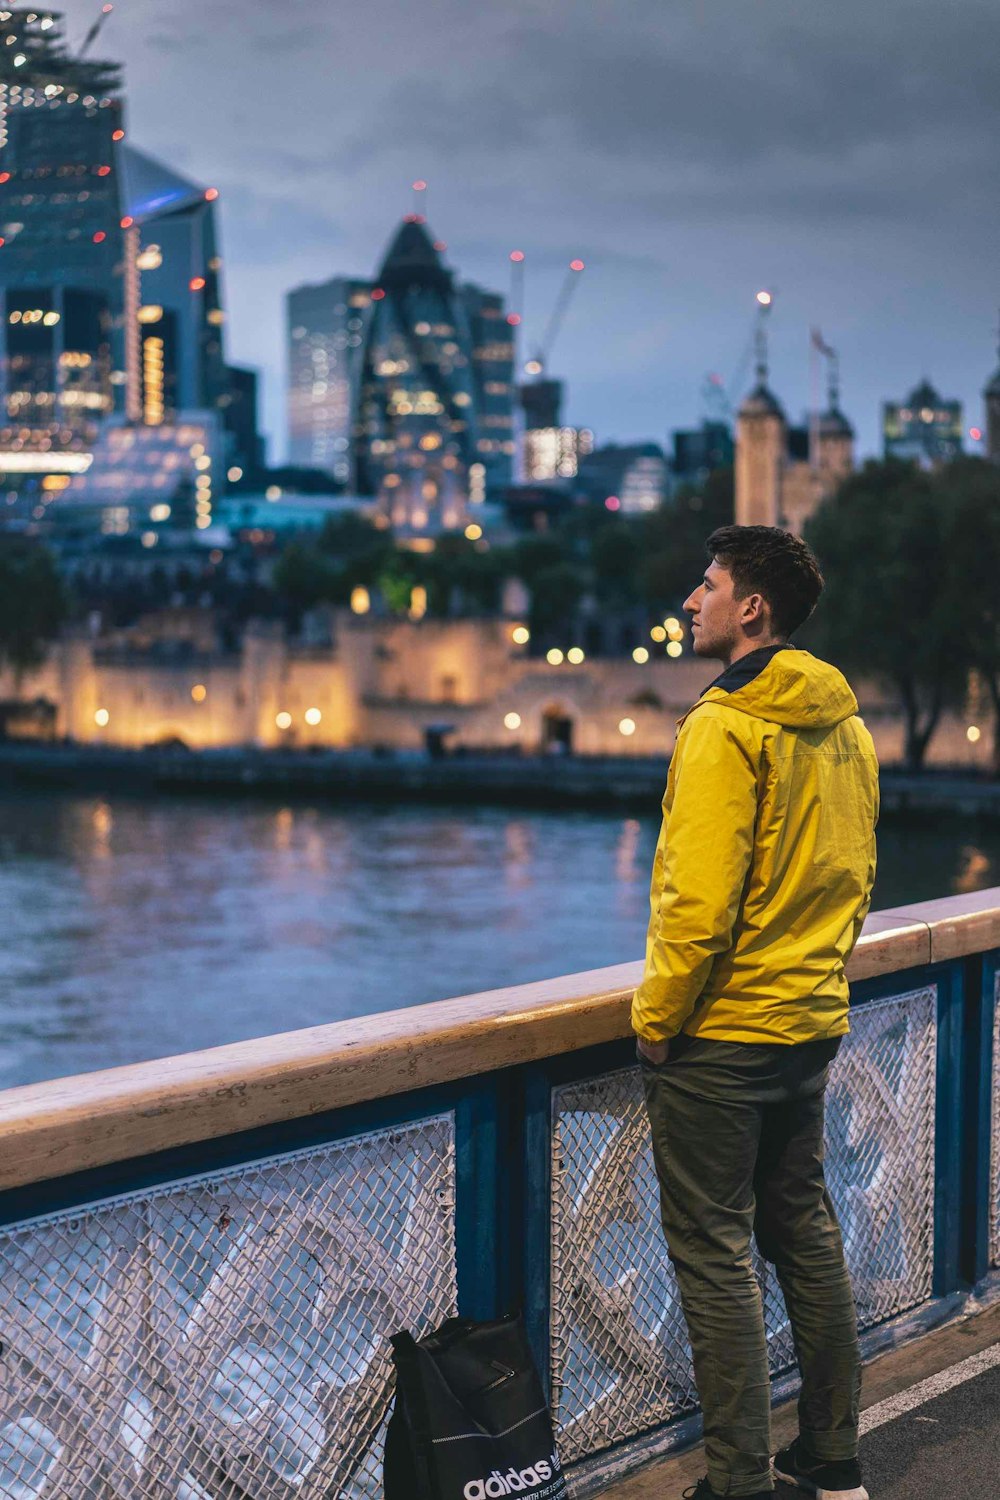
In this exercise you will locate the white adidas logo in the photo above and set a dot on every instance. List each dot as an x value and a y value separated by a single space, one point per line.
495 1485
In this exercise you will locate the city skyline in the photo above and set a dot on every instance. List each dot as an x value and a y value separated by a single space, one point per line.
845 163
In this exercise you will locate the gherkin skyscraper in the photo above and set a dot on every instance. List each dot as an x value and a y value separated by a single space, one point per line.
418 398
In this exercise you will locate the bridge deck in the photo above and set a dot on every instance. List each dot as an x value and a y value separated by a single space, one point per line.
930 1423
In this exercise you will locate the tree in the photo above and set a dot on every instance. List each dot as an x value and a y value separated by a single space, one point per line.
33 605
347 552
672 543
969 498
887 609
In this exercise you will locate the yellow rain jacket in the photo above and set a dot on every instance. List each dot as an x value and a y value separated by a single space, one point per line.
766 858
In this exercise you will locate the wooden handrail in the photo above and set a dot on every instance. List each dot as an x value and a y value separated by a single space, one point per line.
89 1120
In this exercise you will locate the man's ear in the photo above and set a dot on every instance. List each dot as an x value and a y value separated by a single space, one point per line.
753 608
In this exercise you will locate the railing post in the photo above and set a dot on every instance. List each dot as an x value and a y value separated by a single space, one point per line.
489 1209
977 1218
948 1136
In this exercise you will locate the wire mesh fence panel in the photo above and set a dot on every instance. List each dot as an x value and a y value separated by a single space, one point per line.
620 1361
995 1132
224 1338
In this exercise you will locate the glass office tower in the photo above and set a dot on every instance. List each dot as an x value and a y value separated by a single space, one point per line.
326 325
62 287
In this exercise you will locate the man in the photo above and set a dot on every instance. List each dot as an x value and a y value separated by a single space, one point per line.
761 882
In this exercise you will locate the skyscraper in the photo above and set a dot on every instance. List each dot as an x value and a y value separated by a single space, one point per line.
109 269
493 378
924 428
418 429
326 325
62 238
174 269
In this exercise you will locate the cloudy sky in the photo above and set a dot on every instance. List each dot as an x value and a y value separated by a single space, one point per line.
843 153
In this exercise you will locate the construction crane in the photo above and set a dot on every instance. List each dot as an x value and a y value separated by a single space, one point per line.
95 30
719 398
539 361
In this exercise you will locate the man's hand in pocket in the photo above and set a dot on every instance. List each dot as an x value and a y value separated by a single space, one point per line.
654 1052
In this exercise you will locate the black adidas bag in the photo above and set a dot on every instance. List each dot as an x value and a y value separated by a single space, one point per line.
470 1421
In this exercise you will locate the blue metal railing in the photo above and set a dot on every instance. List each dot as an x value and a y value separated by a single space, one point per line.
217 1311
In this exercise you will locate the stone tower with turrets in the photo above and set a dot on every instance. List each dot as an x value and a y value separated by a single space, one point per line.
761 447
783 474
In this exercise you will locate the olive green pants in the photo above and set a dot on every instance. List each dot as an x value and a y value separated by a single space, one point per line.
738 1144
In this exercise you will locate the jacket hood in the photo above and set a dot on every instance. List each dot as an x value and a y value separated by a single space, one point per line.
793 689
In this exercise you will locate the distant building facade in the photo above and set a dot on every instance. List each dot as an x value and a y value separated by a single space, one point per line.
628 477
923 429
326 326
555 452
143 477
699 451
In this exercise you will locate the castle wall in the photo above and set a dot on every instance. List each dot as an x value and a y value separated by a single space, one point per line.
388 682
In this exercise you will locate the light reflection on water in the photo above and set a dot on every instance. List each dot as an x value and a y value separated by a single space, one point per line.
138 928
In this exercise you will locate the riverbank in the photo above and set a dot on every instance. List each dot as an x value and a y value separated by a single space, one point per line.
599 782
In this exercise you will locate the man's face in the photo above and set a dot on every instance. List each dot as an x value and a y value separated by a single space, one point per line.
716 617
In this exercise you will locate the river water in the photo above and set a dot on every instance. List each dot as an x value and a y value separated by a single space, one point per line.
134 928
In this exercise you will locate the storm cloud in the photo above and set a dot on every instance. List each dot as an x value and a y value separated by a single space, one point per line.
691 150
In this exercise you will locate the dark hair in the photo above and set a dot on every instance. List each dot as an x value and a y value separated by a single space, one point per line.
766 560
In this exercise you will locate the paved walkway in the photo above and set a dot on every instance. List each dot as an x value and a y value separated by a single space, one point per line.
930 1423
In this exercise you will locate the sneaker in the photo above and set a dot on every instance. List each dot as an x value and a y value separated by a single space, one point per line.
827 1481
704 1491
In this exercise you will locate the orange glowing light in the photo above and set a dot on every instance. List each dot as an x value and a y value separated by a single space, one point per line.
196 284
127 222
576 265
211 194
118 135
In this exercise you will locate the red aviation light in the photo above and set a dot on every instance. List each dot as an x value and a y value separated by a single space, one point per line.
576 265
612 503
118 135
513 319
440 246
103 171
127 222
377 294
211 194
975 434
100 237
196 284
420 186
4 176
2 242
517 256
